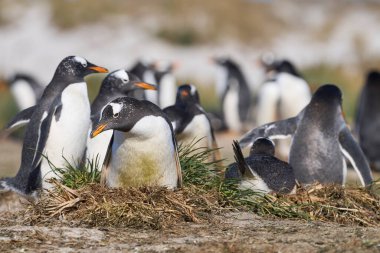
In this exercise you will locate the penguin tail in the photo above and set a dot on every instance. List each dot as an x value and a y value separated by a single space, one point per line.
239 158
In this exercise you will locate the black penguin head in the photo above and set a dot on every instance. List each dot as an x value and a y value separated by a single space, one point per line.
122 82
122 114
285 66
373 78
187 94
225 62
75 68
262 146
328 94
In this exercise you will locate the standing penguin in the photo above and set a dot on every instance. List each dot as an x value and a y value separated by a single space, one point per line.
58 126
190 121
367 123
25 89
143 151
283 95
261 170
166 95
232 87
320 139
119 83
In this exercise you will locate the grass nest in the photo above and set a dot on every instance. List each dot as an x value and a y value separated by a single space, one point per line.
78 197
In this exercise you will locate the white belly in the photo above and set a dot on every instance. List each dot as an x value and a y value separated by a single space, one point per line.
256 184
231 110
23 94
144 156
167 91
68 137
267 104
97 147
199 130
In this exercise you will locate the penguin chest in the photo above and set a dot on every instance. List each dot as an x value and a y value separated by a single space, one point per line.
23 94
69 129
144 156
198 129
231 109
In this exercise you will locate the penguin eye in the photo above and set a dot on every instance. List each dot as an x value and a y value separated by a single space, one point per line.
116 115
84 64
124 80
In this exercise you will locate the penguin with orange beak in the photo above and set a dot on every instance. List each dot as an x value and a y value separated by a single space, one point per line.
119 83
57 129
143 151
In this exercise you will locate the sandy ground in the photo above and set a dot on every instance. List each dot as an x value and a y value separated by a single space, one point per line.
233 232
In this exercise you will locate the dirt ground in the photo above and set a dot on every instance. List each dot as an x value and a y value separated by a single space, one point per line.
232 232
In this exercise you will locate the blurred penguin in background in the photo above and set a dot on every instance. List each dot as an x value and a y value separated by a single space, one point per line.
25 89
367 123
144 70
233 90
283 95
190 122
166 83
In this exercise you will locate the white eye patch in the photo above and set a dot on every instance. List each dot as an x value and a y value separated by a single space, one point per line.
121 74
80 60
192 89
116 108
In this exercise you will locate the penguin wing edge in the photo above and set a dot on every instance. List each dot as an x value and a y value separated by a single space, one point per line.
355 155
276 130
21 119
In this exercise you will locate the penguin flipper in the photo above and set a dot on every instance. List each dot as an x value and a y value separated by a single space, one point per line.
355 155
275 130
21 119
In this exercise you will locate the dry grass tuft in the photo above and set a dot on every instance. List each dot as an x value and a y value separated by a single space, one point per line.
147 207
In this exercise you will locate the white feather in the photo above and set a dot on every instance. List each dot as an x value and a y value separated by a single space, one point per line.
198 128
352 161
97 147
231 108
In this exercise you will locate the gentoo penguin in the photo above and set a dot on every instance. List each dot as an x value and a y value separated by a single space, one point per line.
58 127
283 95
143 151
189 120
261 171
25 89
145 72
320 139
166 85
119 83
367 123
233 89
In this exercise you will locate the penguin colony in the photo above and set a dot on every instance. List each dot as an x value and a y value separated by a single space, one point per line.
133 127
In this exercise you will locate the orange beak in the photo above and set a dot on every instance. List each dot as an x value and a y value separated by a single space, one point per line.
98 130
146 86
184 93
99 69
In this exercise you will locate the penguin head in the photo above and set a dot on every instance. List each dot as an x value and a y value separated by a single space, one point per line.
75 68
123 82
187 94
373 78
285 66
327 94
262 146
121 114
224 62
